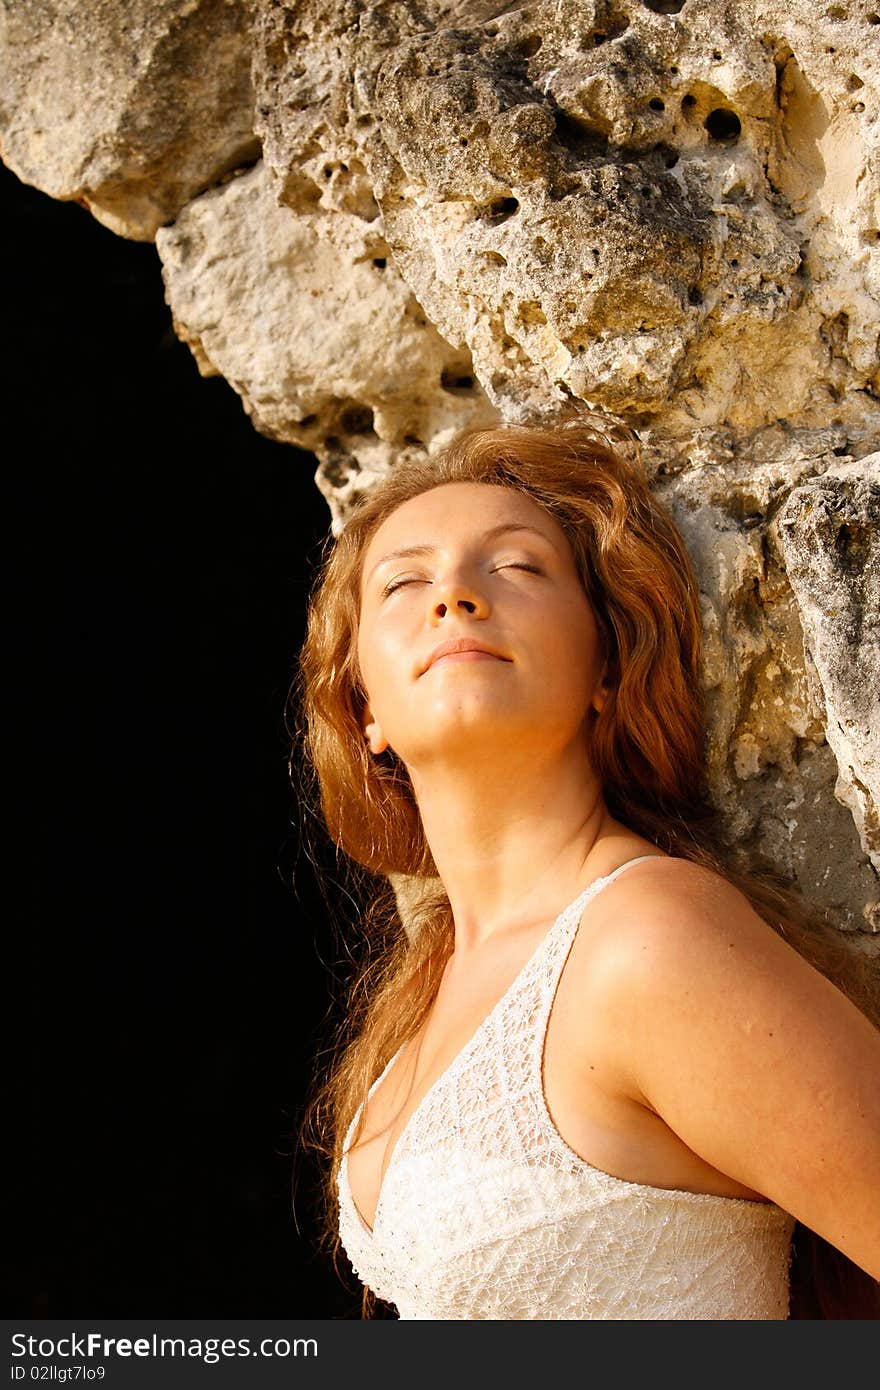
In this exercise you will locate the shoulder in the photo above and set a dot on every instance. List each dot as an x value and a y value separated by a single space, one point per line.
663 915
699 998
679 961
751 1056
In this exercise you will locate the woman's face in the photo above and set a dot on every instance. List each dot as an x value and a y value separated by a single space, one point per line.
487 565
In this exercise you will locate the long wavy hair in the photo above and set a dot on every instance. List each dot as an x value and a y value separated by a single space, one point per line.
648 750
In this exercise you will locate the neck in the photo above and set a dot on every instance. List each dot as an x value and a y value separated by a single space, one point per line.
513 841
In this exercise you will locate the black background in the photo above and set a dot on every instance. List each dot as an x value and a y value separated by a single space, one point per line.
170 952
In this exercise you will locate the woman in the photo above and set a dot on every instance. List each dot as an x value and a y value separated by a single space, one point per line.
601 1074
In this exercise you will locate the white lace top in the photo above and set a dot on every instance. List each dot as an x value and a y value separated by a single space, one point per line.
486 1212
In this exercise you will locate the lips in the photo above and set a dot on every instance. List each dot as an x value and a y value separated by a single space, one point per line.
461 644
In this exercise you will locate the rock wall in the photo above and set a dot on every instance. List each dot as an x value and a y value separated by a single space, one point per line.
383 220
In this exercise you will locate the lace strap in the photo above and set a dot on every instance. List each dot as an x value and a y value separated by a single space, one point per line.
557 957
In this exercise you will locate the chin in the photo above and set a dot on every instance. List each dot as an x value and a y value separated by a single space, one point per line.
473 733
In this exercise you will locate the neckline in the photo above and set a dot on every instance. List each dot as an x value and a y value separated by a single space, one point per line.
459 1058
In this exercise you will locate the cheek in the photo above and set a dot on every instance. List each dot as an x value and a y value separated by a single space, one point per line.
365 668
375 659
363 649
572 650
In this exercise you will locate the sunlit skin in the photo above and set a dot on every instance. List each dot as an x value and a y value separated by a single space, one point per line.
497 749
689 1045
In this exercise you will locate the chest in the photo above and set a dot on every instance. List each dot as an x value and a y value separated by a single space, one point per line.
475 1028
486 1211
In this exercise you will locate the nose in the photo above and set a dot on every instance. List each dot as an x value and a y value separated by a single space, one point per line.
455 593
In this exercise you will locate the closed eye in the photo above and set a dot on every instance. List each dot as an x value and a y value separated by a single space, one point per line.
395 584
399 583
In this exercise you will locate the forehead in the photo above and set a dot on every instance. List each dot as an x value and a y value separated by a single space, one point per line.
459 511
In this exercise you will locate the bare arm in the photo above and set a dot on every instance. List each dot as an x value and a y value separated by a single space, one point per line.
754 1059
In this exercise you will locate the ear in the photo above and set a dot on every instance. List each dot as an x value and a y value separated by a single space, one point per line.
376 740
600 694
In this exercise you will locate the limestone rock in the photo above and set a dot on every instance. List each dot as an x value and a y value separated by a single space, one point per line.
471 212
309 321
769 764
829 532
131 108
606 200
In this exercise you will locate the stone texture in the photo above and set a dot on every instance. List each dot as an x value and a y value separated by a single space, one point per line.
471 212
829 532
603 201
769 722
313 326
131 108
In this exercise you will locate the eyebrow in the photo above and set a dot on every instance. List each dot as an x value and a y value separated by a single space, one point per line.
409 551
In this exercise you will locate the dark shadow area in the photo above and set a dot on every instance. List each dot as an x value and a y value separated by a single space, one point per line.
169 946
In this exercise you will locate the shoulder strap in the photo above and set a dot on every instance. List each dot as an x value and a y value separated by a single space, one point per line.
609 878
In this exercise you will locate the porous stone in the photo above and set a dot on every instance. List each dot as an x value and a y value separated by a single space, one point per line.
603 201
130 108
307 318
829 533
472 213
